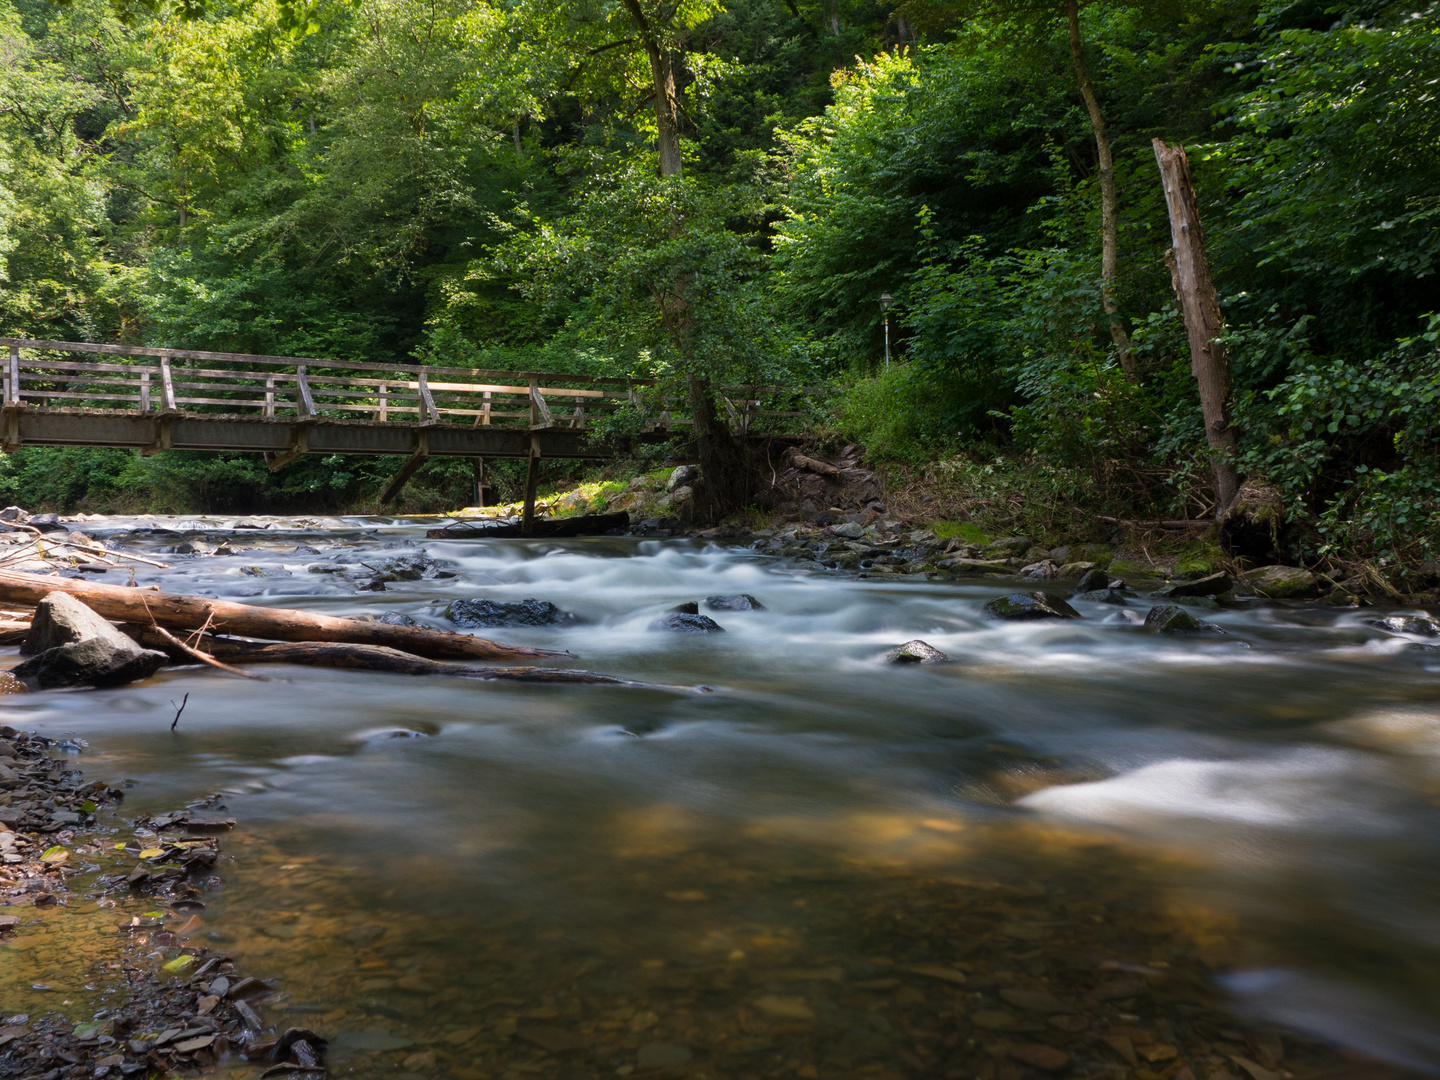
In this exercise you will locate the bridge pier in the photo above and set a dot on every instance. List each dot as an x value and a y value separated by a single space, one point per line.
532 481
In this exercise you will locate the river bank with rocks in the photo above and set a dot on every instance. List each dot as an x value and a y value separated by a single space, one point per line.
108 920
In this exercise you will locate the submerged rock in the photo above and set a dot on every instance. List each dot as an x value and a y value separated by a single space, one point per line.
1036 605
738 602
1423 625
1211 585
916 652
70 645
1101 596
1170 619
687 622
527 612
1284 582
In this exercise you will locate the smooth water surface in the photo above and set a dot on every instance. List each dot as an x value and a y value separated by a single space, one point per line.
481 879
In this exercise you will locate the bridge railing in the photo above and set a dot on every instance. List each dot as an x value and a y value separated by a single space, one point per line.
147 379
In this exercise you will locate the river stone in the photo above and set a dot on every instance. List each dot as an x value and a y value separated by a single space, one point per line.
1101 596
396 618
1036 605
683 476
486 613
1407 624
1092 580
737 602
685 622
324 568
1044 569
1283 582
47 523
1212 585
70 645
1169 619
916 652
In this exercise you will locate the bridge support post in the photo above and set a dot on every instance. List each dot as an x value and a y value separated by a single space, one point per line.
532 481
401 478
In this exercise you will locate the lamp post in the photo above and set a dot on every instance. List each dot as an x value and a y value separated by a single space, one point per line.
885 301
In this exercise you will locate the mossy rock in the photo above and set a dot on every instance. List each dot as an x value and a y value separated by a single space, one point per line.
1198 561
1284 582
1130 570
960 530
1099 554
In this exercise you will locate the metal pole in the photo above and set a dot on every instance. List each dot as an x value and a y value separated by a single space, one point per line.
887 341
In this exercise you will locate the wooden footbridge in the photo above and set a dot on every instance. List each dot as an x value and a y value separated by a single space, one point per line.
68 393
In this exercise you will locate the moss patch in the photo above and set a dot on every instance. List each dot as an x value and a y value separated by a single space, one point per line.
959 530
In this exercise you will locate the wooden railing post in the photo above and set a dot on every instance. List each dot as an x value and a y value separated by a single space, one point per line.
427 403
305 404
270 397
383 413
167 387
485 409
12 380
145 391
539 411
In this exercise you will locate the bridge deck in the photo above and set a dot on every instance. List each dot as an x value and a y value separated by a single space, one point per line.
154 399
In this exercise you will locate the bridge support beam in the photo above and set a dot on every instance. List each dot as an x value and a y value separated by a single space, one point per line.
532 481
401 478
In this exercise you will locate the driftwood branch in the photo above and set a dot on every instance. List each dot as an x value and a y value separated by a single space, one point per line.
204 658
121 604
371 658
824 468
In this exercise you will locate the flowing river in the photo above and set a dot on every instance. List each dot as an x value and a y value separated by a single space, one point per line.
827 867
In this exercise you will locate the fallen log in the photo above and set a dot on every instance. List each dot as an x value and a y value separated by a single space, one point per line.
823 468
584 525
366 658
121 604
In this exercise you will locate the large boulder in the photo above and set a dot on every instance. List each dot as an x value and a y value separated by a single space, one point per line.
1170 619
1025 606
683 476
70 645
1284 582
471 614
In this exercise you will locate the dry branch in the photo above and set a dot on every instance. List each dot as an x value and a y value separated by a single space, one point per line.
121 604
205 658
368 658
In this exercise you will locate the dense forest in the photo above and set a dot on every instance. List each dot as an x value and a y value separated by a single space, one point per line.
708 194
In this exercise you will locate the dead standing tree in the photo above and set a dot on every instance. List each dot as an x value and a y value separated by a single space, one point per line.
1190 274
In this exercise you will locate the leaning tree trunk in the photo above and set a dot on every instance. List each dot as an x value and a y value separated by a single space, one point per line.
1109 215
667 106
1190 274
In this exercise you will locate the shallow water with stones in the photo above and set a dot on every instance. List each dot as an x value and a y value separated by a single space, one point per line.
829 866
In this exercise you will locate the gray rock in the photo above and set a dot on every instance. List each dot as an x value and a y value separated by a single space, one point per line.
737 602
47 523
916 652
1045 569
1101 596
14 513
396 618
1170 619
528 612
687 622
1092 580
1423 625
1123 618
1025 606
70 645
326 568
683 476
850 530
1212 585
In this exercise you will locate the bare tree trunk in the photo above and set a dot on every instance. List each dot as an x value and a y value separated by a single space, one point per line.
1190 274
667 108
835 17
724 471
1109 219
